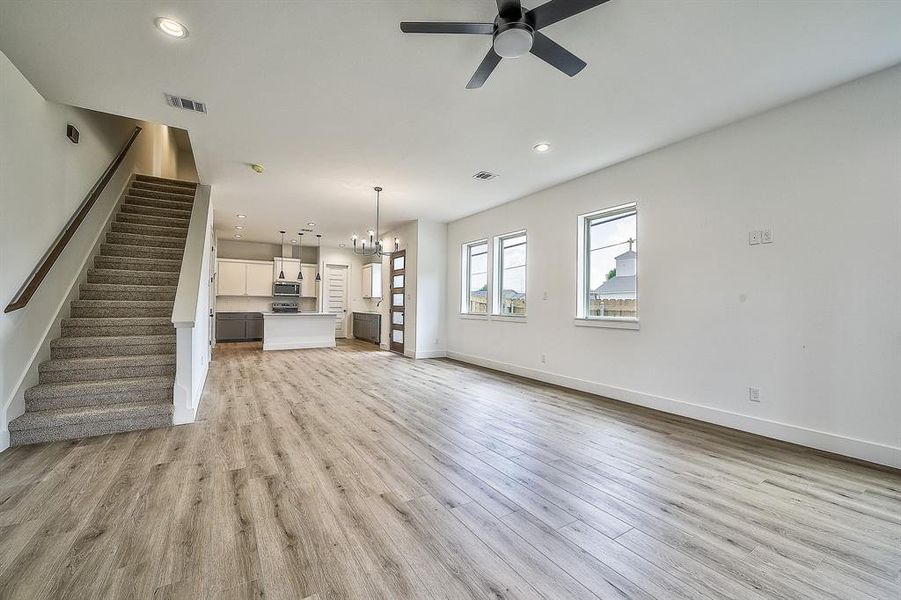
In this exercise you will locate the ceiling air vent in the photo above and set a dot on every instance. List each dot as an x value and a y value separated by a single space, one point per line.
185 103
484 175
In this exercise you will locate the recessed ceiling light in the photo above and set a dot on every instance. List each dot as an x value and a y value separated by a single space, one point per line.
238 235
342 245
240 216
542 147
293 241
311 224
171 27
239 227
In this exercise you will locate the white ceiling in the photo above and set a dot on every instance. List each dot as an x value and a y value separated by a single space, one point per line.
332 98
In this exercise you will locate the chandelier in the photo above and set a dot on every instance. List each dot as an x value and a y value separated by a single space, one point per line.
375 244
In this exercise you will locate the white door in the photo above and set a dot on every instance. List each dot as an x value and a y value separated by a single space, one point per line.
335 300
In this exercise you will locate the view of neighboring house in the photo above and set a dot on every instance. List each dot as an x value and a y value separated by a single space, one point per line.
617 297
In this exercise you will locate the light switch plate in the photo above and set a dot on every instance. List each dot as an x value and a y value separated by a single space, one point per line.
754 238
766 236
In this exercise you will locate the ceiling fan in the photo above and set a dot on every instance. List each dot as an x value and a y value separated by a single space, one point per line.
515 32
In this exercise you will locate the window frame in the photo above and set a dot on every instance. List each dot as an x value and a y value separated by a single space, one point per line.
583 317
466 280
499 274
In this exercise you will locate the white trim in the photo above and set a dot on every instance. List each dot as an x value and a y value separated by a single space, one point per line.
610 323
431 354
510 318
4 439
821 440
320 343
474 316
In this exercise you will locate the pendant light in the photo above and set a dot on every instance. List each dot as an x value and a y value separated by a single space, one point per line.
375 243
281 274
300 266
319 260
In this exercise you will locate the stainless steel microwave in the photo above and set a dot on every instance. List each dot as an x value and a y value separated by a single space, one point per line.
286 288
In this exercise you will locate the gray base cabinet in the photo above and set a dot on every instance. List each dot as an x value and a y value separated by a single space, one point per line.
368 326
239 326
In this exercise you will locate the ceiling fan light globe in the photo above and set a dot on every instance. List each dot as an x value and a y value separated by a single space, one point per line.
513 42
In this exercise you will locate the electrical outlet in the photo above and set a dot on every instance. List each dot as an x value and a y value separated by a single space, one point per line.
766 236
754 238
545 296
544 358
754 394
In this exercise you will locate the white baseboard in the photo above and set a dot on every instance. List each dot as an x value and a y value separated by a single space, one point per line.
431 354
323 343
830 442
4 439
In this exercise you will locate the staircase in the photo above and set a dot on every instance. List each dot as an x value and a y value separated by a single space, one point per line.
113 369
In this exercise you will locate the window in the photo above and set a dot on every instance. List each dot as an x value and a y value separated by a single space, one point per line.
608 278
475 278
510 291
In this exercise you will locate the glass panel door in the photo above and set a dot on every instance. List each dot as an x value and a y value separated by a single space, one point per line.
398 301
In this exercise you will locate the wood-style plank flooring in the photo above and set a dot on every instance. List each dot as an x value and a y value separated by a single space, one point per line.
354 473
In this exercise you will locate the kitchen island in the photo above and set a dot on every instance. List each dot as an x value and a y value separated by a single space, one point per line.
293 330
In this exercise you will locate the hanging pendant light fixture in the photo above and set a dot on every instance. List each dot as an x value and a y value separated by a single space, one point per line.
300 266
281 274
319 260
375 243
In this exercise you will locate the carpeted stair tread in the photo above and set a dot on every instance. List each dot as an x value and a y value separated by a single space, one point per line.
162 187
140 251
113 340
138 263
121 291
90 388
106 362
132 277
83 430
136 192
137 239
102 368
157 202
61 417
156 211
166 181
121 308
156 230
160 221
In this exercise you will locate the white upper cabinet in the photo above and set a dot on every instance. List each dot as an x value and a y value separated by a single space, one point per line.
291 268
308 285
243 278
232 278
372 280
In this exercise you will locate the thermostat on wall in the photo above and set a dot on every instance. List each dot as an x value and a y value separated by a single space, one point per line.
72 133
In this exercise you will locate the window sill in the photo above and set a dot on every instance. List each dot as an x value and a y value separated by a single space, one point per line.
474 317
509 318
608 323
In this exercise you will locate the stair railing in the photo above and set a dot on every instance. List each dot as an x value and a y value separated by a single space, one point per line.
47 261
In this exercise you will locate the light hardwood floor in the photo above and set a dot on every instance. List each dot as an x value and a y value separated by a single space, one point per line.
352 473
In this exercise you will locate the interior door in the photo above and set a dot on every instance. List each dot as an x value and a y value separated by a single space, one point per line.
336 296
397 297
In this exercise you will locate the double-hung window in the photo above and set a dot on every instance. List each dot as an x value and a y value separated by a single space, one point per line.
510 279
608 265
475 278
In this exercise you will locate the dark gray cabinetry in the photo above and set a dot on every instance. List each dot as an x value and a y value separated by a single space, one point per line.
238 326
368 326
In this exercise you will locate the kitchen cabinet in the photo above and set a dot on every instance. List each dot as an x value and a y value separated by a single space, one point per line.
367 326
243 278
372 280
308 285
290 265
238 326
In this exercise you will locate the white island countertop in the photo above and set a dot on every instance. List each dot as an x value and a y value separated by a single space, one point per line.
295 330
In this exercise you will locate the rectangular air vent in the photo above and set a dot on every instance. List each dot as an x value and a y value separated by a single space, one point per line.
185 103
484 175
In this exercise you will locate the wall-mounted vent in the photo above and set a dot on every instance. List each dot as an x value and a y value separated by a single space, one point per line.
185 103
484 175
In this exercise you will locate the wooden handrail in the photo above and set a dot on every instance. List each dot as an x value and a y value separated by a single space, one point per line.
40 271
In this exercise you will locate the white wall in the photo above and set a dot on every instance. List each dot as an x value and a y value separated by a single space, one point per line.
43 179
813 319
431 289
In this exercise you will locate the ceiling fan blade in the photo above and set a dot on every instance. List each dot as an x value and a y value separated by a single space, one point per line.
509 8
556 55
485 68
557 10
447 27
